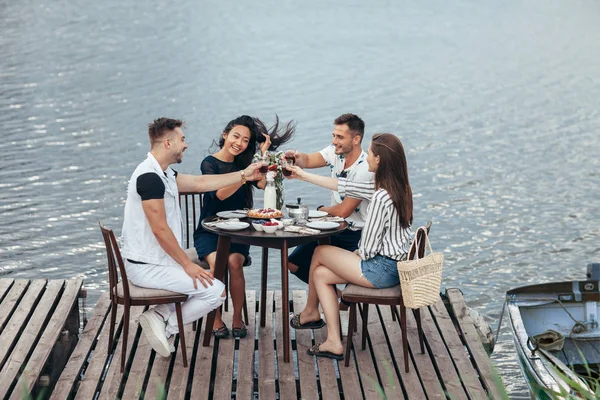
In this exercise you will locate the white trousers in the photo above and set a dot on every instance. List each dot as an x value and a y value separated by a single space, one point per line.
200 302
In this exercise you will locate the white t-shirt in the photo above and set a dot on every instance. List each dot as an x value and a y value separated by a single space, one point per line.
359 171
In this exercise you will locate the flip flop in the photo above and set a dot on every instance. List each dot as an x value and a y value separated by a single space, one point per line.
295 323
221 333
314 351
240 332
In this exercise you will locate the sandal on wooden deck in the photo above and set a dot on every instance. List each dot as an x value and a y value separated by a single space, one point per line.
239 332
295 323
314 351
221 333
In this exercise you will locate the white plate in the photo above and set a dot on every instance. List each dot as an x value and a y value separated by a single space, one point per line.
232 226
316 214
231 214
322 225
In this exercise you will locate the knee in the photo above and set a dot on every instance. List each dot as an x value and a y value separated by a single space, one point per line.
236 265
319 273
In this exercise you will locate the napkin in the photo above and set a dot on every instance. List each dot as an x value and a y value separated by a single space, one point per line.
214 223
328 218
303 230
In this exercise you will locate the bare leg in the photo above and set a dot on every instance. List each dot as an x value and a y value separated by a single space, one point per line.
292 267
335 266
210 259
237 287
311 309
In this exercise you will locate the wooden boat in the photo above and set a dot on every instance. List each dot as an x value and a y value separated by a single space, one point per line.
557 337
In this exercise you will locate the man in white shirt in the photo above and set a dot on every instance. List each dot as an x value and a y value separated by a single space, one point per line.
346 159
152 234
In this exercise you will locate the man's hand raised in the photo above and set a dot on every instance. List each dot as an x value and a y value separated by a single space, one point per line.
251 173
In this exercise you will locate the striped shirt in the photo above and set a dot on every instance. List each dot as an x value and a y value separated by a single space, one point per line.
382 233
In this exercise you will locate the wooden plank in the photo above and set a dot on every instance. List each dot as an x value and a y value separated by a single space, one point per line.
78 358
224 367
266 356
468 376
245 373
478 353
95 369
580 352
327 377
19 319
139 368
29 336
181 375
411 382
114 378
201 380
382 355
306 363
286 376
441 357
52 331
365 366
5 284
431 382
11 300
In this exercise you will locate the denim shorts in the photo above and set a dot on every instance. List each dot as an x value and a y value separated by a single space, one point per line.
381 271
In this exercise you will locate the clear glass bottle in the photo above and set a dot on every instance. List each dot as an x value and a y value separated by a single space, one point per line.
270 192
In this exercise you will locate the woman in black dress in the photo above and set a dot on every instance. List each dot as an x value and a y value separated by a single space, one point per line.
238 143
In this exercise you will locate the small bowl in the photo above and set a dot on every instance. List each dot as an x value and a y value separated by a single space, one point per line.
258 227
287 221
270 228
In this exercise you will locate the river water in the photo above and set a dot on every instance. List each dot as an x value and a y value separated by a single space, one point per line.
496 103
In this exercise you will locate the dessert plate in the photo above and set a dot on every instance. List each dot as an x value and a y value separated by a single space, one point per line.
231 214
322 225
232 226
316 214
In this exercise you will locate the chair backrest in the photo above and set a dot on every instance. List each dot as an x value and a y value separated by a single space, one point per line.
191 208
420 240
116 266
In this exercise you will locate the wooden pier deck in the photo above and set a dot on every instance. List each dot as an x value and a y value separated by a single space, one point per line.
454 366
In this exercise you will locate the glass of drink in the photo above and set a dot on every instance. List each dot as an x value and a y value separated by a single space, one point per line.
290 157
264 164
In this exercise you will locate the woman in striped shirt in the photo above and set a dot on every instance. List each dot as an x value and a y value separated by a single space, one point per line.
385 240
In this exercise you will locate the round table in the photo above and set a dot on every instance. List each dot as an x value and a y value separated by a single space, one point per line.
278 240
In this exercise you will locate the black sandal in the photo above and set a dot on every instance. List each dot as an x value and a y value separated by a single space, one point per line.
314 351
221 333
295 323
240 332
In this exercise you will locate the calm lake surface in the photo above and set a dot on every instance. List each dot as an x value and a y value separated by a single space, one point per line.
496 102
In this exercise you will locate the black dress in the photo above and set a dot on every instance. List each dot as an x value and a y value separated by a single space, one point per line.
206 242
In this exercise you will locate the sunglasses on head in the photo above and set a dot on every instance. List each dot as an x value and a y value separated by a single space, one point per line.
343 174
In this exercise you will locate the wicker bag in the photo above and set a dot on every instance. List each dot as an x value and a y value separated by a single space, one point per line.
421 278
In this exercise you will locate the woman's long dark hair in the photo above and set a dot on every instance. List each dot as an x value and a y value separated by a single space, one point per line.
279 134
392 174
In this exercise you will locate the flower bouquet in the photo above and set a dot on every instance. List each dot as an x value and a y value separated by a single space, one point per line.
274 163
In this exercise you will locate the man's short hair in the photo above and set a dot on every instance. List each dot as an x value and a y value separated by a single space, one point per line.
159 127
355 124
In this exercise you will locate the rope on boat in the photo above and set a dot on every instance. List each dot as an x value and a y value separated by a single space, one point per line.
579 326
500 323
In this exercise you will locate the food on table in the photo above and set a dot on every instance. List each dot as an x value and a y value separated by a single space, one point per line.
265 213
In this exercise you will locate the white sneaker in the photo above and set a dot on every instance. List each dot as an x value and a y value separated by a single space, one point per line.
153 327
171 341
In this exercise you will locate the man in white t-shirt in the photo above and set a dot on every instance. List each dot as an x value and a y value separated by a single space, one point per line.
346 159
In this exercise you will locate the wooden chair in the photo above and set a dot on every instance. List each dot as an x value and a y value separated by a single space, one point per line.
354 294
127 294
191 208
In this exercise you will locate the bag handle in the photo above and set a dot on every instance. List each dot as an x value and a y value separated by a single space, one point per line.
415 242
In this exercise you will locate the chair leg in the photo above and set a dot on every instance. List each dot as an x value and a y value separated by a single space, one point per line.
420 329
351 328
340 327
181 334
393 310
365 320
125 333
113 321
245 309
404 337
194 326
